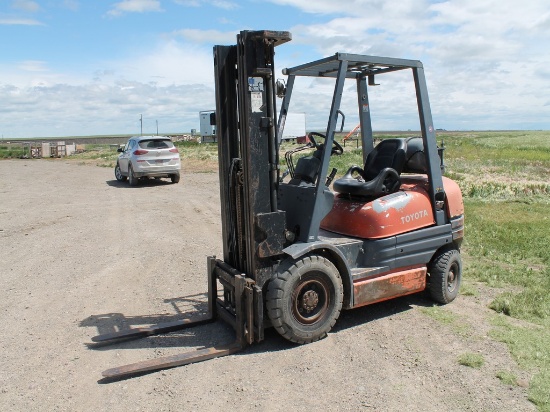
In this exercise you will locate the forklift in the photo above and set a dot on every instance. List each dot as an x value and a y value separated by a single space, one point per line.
296 251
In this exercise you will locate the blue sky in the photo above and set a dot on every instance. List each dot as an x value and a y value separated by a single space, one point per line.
76 67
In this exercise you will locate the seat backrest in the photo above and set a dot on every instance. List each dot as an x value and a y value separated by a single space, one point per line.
415 161
388 153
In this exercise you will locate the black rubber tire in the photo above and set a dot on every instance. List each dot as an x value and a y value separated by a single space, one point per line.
119 175
132 179
175 178
445 276
305 299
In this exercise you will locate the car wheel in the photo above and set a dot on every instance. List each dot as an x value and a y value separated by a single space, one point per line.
132 179
445 276
305 299
118 174
175 178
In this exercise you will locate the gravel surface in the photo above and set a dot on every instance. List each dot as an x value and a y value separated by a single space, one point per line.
81 254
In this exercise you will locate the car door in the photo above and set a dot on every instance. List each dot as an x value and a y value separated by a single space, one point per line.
125 156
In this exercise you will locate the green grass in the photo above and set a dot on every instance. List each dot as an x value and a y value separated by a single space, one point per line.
198 157
530 347
12 151
195 150
468 289
445 317
472 360
507 378
440 314
493 163
510 244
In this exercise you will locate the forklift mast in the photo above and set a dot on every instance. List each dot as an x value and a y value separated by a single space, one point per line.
253 227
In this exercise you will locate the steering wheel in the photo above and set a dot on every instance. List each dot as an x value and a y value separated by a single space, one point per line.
336 150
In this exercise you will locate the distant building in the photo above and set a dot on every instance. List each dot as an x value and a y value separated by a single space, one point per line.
294 126
208 126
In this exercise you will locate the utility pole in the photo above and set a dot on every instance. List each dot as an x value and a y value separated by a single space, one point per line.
157 127
141 124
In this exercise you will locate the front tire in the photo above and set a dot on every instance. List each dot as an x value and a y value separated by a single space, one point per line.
132 179
445 276
118 174
305 300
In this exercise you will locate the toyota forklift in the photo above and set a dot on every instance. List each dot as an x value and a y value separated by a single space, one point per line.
296 251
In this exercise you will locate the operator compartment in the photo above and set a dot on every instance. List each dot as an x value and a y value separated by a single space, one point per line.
390 195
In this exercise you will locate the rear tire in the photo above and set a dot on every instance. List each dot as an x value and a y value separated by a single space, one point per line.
305 300
132 179
445 276
175 178
118 174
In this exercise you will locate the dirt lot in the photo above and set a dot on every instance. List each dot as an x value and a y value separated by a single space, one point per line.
81 254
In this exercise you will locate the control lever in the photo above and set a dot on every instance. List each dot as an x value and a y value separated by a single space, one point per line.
330 177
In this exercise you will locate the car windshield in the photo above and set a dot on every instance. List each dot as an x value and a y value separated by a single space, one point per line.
156 144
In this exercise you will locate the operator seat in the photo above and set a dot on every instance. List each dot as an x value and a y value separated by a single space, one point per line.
380 175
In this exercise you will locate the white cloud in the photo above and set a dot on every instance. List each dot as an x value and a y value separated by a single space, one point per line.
26 5
33 66
171 84
20 22
100 109
222 4
135 6
484 61
167 63
207 36
188 3
71 4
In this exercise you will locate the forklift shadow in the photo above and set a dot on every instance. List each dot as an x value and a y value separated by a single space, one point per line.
191 306
219 333
381 310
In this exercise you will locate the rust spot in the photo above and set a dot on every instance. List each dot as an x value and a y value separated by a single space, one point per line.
388 286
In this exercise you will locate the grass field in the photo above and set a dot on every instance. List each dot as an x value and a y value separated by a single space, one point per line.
505 180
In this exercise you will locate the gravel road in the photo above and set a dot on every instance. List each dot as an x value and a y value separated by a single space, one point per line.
81 254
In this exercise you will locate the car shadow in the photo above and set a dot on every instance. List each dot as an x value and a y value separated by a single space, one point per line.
142 183
219 333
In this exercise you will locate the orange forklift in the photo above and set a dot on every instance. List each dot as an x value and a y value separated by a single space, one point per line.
295 251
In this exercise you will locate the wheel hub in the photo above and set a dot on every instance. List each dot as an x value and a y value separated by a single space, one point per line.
451 279
451 276
310 300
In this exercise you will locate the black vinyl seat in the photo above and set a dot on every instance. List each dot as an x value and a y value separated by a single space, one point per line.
380 175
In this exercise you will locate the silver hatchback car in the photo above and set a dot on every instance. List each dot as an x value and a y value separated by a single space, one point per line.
148 156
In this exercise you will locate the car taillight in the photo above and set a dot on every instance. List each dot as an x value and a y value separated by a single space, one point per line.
140 152
174 150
